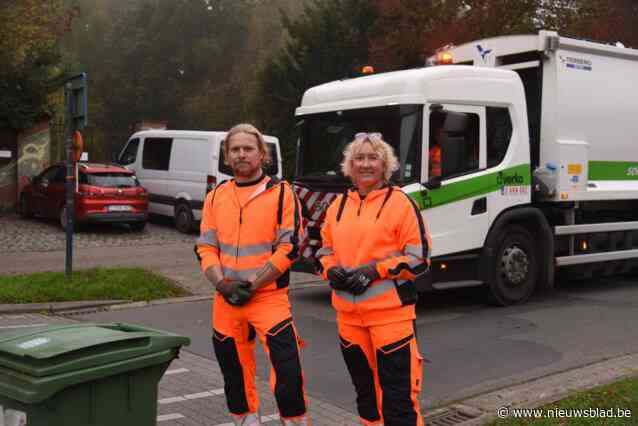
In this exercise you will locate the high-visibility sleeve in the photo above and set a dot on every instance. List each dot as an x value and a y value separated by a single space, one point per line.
289 232
414 240
207 245
326 254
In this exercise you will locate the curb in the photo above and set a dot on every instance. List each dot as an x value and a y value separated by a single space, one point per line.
494 405
113 305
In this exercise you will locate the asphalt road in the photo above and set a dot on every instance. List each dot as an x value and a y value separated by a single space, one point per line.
469 347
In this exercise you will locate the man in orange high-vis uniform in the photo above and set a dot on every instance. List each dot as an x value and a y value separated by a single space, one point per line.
249 235
374 245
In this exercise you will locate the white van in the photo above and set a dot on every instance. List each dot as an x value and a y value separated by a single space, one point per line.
179 167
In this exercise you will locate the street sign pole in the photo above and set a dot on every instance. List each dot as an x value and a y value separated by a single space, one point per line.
75 119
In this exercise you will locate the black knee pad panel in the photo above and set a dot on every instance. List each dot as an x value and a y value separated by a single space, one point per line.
284 355
394 365
228 359
362 379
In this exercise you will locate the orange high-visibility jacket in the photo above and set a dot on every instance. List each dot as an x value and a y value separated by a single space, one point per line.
386 230
241 239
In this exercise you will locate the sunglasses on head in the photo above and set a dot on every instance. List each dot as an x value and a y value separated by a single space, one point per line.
370 136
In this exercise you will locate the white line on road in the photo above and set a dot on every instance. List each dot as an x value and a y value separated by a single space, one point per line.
199 395
23 325
171 416
176 371
264 419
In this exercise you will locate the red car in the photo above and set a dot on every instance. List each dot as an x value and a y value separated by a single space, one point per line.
106 193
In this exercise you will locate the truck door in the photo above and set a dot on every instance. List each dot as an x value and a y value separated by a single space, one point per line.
456 204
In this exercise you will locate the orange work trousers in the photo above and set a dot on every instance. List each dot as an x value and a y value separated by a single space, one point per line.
267 315
386 369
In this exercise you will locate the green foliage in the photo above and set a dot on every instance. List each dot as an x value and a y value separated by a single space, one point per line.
190 63
90 284
328 41
30 62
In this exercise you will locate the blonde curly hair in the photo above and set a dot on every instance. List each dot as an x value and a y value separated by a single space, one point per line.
381 147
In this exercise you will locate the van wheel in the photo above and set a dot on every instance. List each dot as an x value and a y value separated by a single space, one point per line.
184 218
515 267
25 212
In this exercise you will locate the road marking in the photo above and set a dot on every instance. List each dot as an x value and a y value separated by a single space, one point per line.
171 400
23 325
176 371
171 416
191 396
198 395
264 419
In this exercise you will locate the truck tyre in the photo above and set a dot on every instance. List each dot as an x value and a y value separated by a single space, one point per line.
515 267
184 218
25 212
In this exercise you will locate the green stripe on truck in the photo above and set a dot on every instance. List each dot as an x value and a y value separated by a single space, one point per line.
613 170
480 185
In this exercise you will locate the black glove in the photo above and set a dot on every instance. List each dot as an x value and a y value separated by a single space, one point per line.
361 278
338 277
236 292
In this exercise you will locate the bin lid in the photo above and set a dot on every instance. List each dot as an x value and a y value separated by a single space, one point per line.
65 348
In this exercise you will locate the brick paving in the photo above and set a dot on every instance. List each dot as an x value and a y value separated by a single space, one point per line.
191 391
40 235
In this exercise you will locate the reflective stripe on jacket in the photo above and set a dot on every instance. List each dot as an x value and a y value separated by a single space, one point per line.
386 230
241 239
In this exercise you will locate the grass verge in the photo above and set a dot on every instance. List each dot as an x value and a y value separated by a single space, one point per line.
134 284
610 405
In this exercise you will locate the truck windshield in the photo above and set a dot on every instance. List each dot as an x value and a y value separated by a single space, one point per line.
324 136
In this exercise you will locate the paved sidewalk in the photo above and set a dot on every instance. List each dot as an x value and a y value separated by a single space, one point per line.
191 392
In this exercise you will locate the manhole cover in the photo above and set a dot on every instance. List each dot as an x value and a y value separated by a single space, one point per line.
450 417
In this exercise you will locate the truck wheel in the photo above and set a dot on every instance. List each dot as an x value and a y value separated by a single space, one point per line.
515 267
25 212
184 218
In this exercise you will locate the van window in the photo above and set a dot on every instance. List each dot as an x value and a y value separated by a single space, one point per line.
272 169
157 153
129 155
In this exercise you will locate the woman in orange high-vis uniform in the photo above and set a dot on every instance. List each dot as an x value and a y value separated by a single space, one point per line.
375 244
249 237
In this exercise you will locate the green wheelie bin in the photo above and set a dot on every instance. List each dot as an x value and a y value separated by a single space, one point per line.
85 374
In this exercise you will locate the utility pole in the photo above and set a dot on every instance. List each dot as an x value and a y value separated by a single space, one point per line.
75 119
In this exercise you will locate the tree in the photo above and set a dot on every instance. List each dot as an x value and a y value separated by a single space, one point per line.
191 63
328 41
30 61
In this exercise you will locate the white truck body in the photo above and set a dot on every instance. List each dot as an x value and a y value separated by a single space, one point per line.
541 151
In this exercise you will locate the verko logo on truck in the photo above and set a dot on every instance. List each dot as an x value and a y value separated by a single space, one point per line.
538 158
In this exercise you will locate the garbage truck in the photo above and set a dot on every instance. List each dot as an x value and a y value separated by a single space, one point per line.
538 157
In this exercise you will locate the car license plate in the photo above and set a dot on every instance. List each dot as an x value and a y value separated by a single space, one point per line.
119 208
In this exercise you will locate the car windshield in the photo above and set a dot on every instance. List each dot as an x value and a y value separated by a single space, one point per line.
324 136
109 180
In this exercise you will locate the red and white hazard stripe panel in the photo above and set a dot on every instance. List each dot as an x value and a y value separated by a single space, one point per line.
316 203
